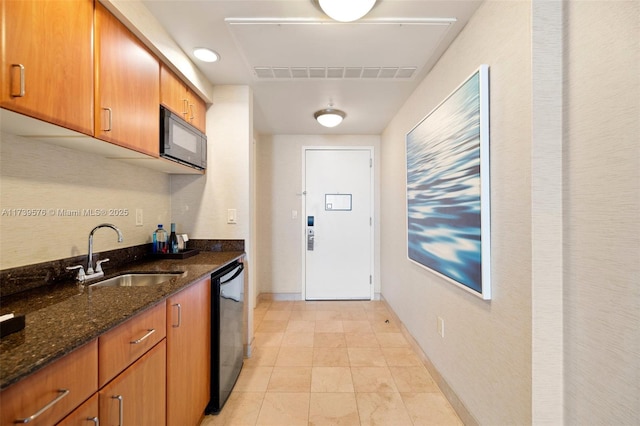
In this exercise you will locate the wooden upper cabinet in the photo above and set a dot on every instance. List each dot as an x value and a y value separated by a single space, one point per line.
127 87
47 66
179 98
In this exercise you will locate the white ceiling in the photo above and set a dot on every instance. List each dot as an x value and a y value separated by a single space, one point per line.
298 61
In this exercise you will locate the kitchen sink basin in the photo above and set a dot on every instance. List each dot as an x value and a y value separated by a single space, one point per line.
135 279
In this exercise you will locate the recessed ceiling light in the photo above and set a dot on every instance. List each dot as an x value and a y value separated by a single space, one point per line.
205 55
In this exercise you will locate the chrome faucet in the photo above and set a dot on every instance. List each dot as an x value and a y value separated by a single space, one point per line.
98 272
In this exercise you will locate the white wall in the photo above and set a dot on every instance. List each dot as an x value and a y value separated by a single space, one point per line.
199 204
37 175
279 191
485 356
602 220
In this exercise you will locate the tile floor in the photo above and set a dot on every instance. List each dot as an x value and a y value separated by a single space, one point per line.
332 363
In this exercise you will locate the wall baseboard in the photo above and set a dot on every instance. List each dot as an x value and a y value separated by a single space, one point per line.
465 416
292 296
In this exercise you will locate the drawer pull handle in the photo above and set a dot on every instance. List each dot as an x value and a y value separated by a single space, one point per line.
179 316
140 340
120 409
63 393
21 92
95 420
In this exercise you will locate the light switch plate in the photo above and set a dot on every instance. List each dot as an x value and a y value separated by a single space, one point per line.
232 216
139 221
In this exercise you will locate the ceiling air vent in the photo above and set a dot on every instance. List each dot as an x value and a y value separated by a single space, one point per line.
386 73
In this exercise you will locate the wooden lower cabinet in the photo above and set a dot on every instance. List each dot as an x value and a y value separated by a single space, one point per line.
188 354
138 395
61 387
84 415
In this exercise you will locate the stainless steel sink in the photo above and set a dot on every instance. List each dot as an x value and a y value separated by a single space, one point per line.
135 279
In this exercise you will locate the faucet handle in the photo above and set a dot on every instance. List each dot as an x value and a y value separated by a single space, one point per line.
80 268
99 265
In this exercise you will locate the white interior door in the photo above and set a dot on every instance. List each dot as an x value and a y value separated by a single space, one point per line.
338 224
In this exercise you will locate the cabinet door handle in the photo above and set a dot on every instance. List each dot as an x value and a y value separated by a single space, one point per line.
185 107
21 91
140 340
110 119
192 114
95 420
63 393
179 315
120 409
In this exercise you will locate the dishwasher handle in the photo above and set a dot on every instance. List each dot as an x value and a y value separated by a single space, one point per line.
234 276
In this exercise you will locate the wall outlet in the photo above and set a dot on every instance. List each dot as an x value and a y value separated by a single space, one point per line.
441 327
139 221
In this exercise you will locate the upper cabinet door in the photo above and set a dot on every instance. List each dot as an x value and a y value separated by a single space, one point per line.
127 87
179 98
47 66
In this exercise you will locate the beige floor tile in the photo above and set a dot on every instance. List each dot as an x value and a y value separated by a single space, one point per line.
357 326
272 326
329 326
241 409
281 305
361 340
277 315
413 379
382 409
284 408
322 315
385 327
392 340
330 357
373 379
298 339
366 357
353 315
329 340
401 357
294 357
430 409
300 315
290 379
300 326
333 409
253 379
262 356
267 339
331 379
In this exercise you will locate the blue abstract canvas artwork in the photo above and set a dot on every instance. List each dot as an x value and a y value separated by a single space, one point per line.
448 187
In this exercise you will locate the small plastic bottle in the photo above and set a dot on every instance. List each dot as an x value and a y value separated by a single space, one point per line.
161 238
173 240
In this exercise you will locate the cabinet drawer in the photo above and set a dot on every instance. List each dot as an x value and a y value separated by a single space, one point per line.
68 381
84 415
118 348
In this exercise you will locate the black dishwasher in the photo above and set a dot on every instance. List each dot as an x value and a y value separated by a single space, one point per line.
227 349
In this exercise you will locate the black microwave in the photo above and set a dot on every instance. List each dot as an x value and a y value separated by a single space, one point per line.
181 142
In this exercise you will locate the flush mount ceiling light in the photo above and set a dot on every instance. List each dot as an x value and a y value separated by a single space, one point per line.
329 117
345 10
205 55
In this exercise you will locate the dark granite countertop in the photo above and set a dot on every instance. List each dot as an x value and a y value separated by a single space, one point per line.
57 322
